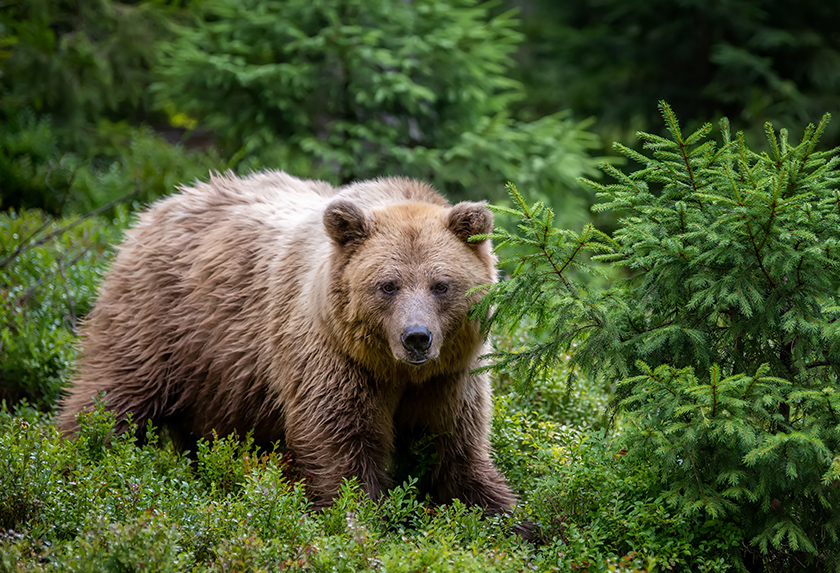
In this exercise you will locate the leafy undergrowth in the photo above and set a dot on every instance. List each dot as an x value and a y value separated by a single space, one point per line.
49 271
104 503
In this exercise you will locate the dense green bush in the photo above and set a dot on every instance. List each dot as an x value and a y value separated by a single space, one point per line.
729 290
39 169
751 60
594 506
604 508
146 167
74 106
49 271
32 173
352 90
78 61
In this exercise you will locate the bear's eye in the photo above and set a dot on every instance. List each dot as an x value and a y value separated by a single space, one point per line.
388 288
440 288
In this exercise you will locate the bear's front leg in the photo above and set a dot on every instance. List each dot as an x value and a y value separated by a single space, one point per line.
458 415
343 432
468 473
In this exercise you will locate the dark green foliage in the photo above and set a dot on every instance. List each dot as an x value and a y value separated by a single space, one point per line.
727 452
729 289
135 162
31 170
751 60
38 168
600 507
593 504
77 61
49 271
352 90
332 90
73 96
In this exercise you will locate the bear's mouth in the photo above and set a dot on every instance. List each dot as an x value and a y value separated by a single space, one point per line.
417 361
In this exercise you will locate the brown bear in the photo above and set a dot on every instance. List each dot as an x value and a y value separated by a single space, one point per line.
333 319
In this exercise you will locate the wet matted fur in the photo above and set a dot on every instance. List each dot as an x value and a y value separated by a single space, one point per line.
333 319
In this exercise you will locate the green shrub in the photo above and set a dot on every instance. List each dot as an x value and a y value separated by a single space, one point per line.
347 90
78 61
136 162
32 170
141 544
25 471
38 168
102 501
218 462
49 271
604 507
730 291
562 395
751 60
527 447
81 72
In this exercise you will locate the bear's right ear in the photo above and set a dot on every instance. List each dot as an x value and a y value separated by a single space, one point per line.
345 222
467 219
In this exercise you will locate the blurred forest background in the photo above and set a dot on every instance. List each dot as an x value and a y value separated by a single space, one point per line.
101 98
106 106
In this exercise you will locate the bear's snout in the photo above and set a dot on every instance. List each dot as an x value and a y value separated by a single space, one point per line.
416 340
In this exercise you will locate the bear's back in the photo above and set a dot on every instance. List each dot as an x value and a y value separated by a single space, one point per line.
276 199
272 197
384 191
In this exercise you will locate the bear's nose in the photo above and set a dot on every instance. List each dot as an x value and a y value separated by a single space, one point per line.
416 338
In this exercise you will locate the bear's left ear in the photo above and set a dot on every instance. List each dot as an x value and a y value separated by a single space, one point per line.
467 219
345 222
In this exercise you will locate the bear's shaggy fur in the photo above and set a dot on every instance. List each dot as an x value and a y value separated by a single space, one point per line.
332 319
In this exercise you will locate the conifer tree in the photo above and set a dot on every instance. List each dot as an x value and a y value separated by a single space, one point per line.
722 330
354 89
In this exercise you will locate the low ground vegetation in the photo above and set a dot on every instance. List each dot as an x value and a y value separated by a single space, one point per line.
103 502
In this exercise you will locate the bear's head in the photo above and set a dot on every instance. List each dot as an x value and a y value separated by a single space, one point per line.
401 273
